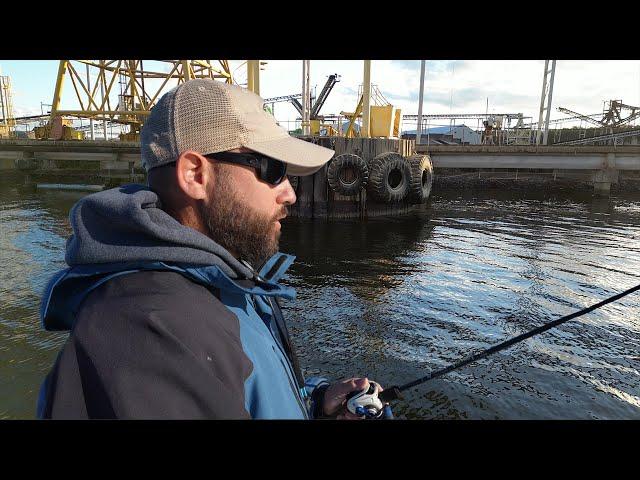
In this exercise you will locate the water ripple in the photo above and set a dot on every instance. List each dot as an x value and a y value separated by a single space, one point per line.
393 298
465 275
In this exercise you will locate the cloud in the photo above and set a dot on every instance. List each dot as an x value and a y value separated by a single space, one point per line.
458 86
431 66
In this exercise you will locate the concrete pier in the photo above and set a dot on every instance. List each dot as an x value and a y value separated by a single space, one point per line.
602 167
599 166
81 161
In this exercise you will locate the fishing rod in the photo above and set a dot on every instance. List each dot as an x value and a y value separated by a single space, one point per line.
370 403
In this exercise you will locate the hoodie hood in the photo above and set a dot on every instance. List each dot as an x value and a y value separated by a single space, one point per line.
124 230
127 224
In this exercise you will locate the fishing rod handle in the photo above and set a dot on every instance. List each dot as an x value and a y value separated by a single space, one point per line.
389 394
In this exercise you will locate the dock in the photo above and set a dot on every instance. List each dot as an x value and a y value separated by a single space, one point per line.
600 167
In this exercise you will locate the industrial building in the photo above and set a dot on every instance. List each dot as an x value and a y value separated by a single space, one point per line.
446 135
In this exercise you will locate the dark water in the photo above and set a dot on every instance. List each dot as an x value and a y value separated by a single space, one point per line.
392 298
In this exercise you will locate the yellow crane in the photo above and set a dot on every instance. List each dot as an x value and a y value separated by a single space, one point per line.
7 121
122 91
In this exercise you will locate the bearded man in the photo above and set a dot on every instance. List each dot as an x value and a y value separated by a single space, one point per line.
171 295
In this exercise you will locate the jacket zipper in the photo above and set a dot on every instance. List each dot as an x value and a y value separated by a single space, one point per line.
291 384
287 366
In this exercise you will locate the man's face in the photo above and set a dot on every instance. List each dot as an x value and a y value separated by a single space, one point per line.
243 213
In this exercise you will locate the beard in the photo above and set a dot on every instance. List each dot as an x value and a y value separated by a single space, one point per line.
237 227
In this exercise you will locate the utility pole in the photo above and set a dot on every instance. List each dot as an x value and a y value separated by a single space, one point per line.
366 100
545 102
419 130
306 99
89 88
253 76
102 83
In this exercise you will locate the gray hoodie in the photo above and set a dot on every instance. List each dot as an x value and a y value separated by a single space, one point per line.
180 339
128 224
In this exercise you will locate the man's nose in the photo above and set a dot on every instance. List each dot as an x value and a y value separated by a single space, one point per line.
286 195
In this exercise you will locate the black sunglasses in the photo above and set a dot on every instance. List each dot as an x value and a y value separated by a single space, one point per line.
268 169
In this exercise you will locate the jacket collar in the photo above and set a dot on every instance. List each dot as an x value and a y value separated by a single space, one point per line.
68 288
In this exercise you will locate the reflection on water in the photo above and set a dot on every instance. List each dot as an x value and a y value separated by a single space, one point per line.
33 231
393 298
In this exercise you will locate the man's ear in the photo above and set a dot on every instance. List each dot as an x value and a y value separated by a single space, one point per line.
193 173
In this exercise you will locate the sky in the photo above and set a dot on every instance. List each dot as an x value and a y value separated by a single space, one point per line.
451 86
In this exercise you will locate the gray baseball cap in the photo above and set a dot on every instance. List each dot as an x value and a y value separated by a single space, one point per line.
210 116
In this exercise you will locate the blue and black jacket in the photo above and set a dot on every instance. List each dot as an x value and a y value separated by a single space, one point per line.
161 333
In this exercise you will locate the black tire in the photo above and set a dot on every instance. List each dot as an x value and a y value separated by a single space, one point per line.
336 174
421 178
294 183
389 178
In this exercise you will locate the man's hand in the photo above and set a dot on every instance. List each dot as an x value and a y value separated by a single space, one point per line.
335 397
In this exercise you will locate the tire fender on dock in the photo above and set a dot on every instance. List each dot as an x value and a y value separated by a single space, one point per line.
421 178
343 166
389 177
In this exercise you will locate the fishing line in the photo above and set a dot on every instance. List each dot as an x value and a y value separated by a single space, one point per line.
393 393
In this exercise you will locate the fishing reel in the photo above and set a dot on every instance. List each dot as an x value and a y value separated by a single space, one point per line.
365 403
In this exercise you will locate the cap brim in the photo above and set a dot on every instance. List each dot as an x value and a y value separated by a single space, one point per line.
303 158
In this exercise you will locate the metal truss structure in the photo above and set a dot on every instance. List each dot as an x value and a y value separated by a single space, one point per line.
124 91
614 137
612 115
